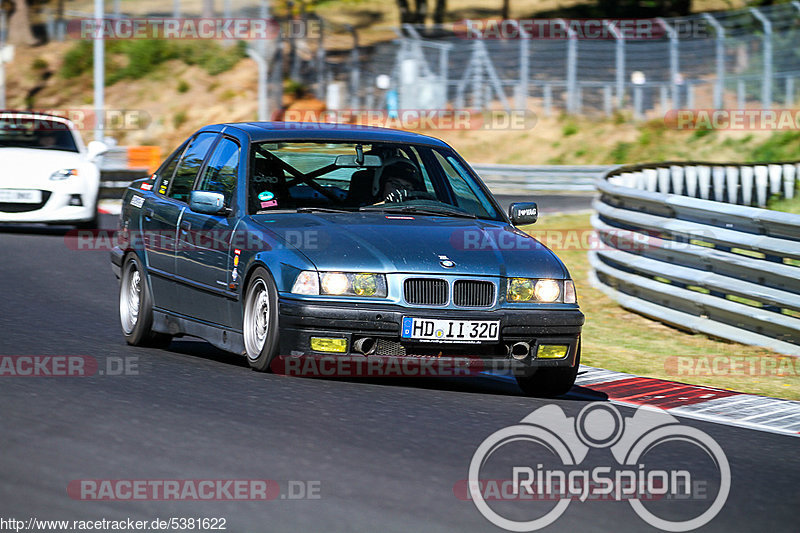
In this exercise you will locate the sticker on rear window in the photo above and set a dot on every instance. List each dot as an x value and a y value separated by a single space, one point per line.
137 201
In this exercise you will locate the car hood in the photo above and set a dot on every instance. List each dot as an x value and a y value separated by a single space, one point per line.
379 242
31 168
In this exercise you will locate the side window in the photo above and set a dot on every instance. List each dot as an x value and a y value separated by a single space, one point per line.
164 174
222 170
190 165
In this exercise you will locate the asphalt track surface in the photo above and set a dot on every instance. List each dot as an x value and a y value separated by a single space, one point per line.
387 453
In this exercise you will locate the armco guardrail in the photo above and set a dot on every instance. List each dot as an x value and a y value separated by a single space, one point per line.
671 253
521 179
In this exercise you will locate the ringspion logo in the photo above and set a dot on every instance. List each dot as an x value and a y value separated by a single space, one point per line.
541 460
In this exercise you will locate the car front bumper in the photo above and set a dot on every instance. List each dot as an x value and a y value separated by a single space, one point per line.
54 209
299 321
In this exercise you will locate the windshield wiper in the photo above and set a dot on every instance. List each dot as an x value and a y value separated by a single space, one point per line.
410 209
322 210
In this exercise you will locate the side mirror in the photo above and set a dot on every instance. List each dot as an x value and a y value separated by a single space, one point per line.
95 149
523 213
207 203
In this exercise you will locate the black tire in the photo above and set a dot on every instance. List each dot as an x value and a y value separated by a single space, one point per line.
549 382
260 320
136 307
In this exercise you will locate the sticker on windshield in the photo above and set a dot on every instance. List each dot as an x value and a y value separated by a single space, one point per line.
137 201
271 203
266 196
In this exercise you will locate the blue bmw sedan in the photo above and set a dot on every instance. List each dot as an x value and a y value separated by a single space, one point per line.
305 239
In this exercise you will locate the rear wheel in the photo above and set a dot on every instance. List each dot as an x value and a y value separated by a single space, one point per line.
260 320
548 382
135 306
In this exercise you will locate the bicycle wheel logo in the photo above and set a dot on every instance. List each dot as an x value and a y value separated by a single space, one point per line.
631 441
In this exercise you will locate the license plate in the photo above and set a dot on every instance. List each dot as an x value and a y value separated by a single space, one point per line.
19 196
438 330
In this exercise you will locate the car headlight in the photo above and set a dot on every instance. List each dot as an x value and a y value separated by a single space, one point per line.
341 284
64 173
534 290
547 290
520 290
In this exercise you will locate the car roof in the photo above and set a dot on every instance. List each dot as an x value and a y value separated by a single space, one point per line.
35 115
271 131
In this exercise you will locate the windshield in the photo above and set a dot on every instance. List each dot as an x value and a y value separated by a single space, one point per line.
352 177
40 133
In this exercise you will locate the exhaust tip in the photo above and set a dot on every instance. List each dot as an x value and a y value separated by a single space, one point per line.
520 350
365 346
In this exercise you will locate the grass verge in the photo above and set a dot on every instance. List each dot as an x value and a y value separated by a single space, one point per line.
617 339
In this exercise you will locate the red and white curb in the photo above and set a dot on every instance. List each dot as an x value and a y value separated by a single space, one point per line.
109 207
691 401
708 404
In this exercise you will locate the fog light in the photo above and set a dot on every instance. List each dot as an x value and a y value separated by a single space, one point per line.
552 351
324 344
75 200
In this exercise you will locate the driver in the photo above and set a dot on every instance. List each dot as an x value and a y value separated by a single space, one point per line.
398 180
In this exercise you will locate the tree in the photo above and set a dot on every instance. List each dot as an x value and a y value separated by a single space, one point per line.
438 13
415 16
19 24
420 11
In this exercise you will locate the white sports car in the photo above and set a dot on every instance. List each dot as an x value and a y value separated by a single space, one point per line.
48 175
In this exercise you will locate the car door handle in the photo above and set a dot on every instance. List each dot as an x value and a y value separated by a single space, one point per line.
148 213
186 226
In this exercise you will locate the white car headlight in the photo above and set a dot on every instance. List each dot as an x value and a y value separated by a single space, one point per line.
546 290
64 173
341 284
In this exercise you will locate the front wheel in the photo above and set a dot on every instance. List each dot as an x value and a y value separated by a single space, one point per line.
135 307
549 382
260 320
